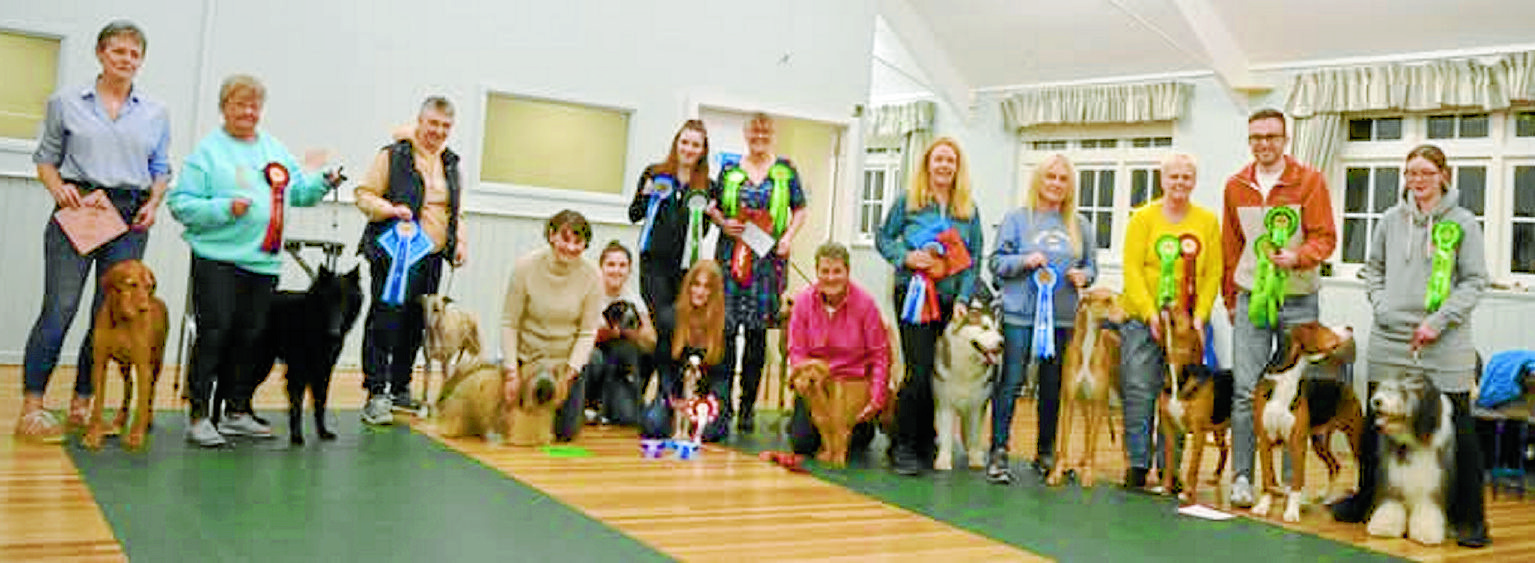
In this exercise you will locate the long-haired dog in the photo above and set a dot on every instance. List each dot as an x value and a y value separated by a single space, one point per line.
963 359
1090 373
541 387
834 406
451 335
1195 400
1293 408
130 329
1418 443
692 412
470 401
307 330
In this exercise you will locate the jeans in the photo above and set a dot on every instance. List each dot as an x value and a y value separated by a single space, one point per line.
230 305
1142 374
1017 341
1251 348
570 416
614 373
64 273
392 334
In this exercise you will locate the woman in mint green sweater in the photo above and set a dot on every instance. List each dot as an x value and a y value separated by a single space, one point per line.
231 196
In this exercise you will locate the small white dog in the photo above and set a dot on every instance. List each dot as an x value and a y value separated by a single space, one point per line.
966 352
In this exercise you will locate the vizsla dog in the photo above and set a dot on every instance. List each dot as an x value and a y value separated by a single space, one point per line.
130 329
1091 371
1293 408
1195 400
541 387
451 333
470 401
834 406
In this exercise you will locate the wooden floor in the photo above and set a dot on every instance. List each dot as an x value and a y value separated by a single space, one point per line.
47 512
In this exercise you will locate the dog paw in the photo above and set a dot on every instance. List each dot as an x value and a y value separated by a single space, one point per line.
134 440
1388 521
978 460
92 440
943 463
1265 502
1292 512
1426 526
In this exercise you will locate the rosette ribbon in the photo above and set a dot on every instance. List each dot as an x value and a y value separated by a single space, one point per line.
1045 279
405 244
1446 237
1268 290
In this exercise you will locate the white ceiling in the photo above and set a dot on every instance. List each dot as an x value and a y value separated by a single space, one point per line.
1004 43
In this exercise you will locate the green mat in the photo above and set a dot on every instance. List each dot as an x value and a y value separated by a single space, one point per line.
375 494
1069 523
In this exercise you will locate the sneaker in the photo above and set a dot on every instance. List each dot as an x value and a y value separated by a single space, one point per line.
1352 509
203 434
40 426
243 424
403 402
905 462
1241 492
1135 478
998 471
1042 466
747 424
377 411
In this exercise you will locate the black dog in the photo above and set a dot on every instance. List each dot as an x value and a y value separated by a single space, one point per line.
622 314
306 330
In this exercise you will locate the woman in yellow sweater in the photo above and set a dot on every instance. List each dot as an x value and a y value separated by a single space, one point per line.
553 307
1141 357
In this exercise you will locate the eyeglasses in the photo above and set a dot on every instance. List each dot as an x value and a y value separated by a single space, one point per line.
1255 139
1414 174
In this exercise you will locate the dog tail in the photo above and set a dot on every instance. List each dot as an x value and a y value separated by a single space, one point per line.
473 344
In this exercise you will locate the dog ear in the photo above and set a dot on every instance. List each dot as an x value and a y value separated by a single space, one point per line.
1425 419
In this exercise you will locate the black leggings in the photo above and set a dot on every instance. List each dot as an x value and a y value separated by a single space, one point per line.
230 306
914 431
755 356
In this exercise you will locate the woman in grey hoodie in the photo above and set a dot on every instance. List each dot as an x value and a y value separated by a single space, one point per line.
1423 322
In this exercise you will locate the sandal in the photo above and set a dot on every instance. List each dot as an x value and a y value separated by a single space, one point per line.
40 426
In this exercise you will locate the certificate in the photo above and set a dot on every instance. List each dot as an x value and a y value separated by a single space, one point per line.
757 239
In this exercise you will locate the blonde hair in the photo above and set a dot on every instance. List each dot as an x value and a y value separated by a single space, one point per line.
238 82
1068 201
711 317
1179 158
919 188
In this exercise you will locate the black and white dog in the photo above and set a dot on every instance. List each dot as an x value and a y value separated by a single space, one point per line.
1420 469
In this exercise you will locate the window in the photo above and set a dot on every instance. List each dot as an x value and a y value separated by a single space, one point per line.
554 145
1491 165
31 74
881 181
1117 171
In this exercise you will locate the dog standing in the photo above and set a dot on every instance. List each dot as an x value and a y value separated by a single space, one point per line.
129 328
1293 409
963 357
470 401
307 330
1194 400
451 334
1090 373
541 387
834 406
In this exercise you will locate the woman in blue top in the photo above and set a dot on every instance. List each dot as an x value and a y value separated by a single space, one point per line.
763 191
1045 244
231 197
938 193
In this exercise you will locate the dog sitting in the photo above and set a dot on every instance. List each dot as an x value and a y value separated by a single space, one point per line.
130 329
1418 459
470 401
306 330
451 334
963 357
541 387
1090 373
1293 408
1195 400
834 406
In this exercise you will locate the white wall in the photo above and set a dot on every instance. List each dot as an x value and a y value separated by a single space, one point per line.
342 73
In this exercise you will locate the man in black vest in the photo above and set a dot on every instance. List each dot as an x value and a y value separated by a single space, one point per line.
414 180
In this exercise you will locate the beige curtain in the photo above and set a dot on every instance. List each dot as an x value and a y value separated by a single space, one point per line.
1119 103
1316 140
907 126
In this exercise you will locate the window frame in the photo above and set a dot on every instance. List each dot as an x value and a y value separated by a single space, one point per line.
16 152
877 160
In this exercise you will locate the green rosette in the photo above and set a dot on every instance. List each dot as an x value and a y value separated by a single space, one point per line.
1268 289
1446 237
1168 250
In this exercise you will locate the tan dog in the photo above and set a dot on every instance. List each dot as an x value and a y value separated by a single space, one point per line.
1194 400
1292 408
470 402
451 334
1090 373
834 406
541 387
130 329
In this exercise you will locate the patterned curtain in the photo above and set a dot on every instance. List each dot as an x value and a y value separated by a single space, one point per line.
1119 103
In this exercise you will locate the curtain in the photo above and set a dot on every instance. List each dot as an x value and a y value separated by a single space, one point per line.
1118 103
1431 86
907 126
1316 140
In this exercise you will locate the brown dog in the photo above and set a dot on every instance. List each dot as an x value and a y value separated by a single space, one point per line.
1195 400
1290 406
451 334
470 401
130 329
834 406
1090 372
541 387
